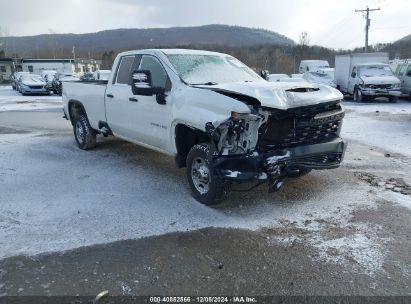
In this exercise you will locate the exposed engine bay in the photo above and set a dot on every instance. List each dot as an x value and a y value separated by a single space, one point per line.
268 143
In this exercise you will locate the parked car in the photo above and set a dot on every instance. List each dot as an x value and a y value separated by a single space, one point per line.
215 115
277 77
48 76
57 82
323 76
403 72
312 65
87 77
102 74
366 76
44 73
32 84
14 79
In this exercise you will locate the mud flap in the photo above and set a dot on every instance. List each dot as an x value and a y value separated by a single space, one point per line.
275 184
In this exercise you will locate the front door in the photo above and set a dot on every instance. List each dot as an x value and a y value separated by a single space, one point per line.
154 119
406 81
352 80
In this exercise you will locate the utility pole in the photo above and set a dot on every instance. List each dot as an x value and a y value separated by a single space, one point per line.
367 22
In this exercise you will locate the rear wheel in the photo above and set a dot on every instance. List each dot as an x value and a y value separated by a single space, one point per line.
85 135
207 187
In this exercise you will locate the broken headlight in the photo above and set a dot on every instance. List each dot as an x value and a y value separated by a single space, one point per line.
236 135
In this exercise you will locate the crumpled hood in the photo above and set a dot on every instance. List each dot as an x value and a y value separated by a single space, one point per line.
380 80
279 95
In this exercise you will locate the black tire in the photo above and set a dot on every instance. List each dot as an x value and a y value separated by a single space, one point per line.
393 98
212 191
85 135
357 97
298 173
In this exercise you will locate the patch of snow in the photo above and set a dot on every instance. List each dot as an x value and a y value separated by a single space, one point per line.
232 173
365 251
388 129
398 198
11 100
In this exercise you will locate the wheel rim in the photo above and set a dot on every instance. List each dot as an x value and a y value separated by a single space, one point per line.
200 174
79 132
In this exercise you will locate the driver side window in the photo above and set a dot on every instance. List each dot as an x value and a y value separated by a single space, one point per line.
354 72
159 76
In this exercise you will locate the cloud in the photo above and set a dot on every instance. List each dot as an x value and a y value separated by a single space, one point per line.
329 23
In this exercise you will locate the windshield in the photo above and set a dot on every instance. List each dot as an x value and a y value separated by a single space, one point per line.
375 70
211 69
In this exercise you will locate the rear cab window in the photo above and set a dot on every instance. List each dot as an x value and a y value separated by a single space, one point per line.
126 65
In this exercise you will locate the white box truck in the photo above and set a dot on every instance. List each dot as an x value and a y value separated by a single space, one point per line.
366 76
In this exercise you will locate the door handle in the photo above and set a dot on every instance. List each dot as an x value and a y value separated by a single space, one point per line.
110 95
133 99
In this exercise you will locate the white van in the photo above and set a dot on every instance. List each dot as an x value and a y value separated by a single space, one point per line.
312 65
403 72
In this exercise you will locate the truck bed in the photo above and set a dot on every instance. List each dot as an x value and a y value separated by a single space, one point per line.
91 93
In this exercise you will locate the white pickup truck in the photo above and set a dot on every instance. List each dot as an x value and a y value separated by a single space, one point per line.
217 117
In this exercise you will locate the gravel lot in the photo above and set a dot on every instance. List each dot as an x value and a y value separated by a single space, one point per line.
121 217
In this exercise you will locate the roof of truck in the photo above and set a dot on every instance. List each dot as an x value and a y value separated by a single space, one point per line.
175 52
371 63
187 51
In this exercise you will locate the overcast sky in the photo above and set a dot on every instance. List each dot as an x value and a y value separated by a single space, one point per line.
331 23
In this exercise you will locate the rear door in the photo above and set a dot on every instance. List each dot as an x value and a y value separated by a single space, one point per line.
119 109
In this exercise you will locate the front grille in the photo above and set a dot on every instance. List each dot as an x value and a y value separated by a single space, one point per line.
36 87
304 125
380 86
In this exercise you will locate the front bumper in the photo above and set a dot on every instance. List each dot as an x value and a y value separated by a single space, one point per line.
276 164
381 92
35 91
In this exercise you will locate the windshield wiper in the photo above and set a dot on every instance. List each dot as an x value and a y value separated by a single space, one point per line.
206 83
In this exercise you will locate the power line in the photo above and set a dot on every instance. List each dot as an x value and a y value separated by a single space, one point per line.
367 22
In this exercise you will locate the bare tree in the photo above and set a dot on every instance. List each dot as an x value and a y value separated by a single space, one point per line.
304 39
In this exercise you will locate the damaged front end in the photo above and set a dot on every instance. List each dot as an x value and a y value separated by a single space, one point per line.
268 144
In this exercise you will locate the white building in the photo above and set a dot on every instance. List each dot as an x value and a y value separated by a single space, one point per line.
6 69
60 65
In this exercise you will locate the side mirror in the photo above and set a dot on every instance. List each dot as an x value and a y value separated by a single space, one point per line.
141 83
353 74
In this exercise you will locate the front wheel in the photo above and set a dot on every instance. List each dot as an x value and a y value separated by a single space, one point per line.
393 98
358 95
84 134
207 187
